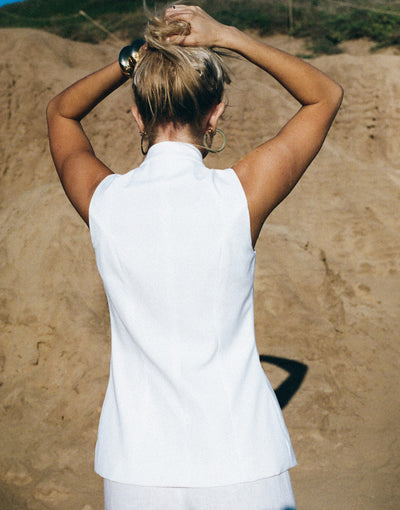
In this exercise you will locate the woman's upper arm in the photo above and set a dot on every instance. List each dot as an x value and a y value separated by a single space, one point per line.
80 171
271 171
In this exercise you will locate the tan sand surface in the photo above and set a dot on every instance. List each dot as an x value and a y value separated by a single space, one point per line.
327 284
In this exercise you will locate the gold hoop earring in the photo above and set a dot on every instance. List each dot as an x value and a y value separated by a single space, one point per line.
211 134
143 135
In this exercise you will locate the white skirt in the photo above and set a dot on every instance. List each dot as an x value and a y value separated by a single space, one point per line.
274 493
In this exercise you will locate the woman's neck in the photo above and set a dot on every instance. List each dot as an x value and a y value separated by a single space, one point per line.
170 133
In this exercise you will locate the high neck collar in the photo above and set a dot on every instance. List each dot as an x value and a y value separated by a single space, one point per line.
175 149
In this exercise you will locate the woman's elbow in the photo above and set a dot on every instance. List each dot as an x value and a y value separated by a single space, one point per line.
52 108
336 96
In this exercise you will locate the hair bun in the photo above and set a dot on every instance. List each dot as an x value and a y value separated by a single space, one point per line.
158 31
176 83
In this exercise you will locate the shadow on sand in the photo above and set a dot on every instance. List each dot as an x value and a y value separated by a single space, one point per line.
297 371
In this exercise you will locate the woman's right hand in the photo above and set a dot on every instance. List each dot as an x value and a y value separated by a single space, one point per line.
204 30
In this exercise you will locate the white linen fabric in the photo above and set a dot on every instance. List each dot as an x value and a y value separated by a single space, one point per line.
188 403
274 493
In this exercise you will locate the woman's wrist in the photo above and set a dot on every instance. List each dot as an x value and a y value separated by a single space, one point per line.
231 38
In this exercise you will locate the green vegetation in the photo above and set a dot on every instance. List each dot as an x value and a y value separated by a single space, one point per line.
62 17
327 29
324 23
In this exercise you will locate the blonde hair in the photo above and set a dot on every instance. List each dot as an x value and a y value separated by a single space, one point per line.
173 83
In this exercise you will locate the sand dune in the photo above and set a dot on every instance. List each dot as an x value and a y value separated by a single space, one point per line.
327 289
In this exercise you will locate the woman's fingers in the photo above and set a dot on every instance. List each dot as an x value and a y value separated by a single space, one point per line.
178 10
203 28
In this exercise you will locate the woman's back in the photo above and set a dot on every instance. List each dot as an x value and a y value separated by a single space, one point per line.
173 247
188 404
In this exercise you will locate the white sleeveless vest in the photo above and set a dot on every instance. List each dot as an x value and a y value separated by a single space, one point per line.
188 403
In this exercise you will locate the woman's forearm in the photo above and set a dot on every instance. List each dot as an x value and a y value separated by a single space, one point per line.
80 98
306 83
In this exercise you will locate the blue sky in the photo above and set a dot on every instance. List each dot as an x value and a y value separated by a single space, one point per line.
4 2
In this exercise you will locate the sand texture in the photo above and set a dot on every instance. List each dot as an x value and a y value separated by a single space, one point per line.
327 280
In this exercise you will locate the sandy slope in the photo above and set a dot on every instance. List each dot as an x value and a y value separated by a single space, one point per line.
327 290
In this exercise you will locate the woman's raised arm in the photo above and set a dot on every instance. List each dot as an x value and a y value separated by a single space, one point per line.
76 164
270 172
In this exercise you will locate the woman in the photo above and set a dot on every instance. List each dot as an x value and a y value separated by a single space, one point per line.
189 419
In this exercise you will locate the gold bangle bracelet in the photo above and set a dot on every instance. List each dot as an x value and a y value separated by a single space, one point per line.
128 57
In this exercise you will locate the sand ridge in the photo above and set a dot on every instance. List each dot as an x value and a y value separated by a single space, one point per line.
327 279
